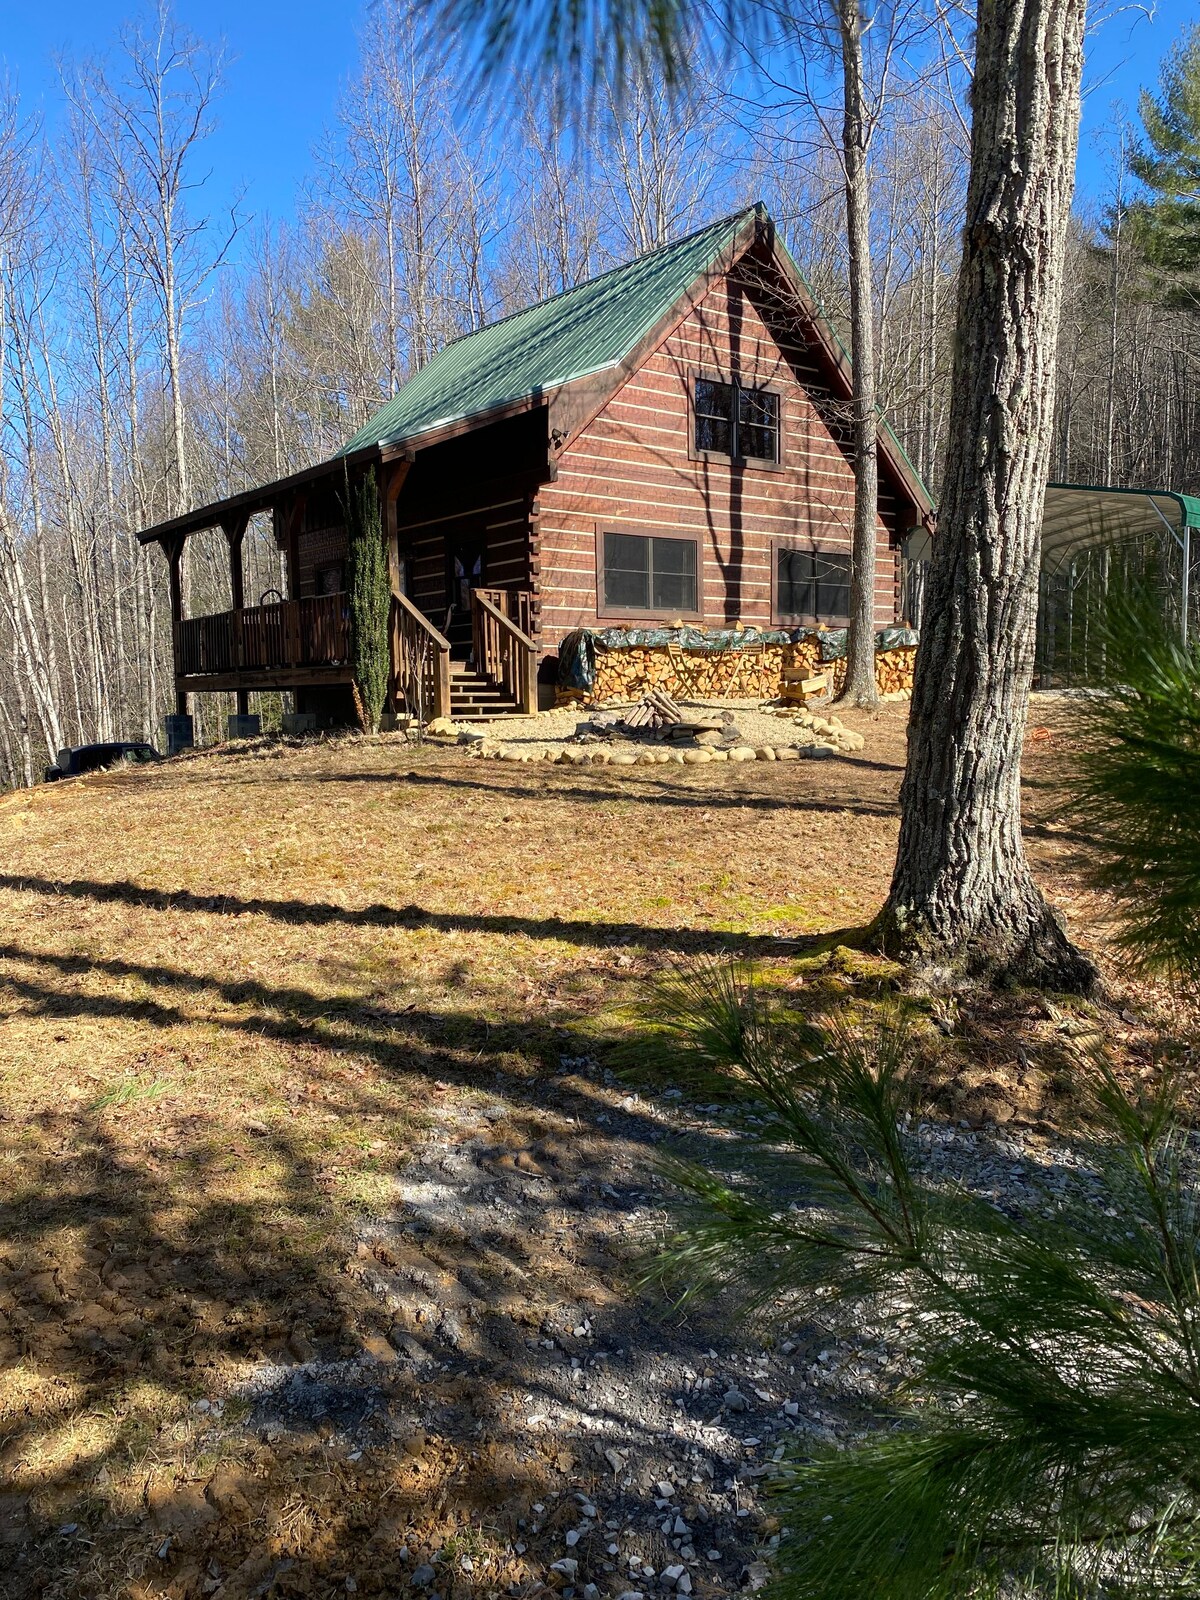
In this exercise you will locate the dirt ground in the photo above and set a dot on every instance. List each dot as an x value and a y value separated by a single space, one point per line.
327 1132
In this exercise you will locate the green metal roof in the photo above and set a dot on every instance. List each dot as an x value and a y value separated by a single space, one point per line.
579 332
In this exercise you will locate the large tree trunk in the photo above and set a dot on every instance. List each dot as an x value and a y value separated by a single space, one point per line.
963 902
859 686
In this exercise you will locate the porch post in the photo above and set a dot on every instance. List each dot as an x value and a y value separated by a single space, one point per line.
389 490
174 551
234 529
292 517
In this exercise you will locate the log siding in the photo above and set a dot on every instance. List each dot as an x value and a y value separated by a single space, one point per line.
634 468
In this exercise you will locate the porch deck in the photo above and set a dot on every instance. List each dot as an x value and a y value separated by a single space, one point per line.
282 645
304 643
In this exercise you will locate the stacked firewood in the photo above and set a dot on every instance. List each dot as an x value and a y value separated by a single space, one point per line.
894 669
690 674
731 674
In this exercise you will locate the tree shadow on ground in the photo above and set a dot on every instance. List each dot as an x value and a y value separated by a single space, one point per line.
626 790
379 1397
137 1282
319 913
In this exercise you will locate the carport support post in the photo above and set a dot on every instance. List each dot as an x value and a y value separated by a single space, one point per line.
1184 587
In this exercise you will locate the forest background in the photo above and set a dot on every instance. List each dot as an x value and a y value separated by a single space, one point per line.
163 343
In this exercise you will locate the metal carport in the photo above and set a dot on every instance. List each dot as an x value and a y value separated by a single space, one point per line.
1092 536
1081 516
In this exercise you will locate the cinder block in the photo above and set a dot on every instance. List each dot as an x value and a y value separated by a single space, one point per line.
181 733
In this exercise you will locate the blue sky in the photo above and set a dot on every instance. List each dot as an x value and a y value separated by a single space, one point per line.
290 56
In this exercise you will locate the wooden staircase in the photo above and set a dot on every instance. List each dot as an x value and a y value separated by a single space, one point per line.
475 697
430 669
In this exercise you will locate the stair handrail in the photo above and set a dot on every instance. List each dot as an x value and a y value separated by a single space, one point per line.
503 653
420 660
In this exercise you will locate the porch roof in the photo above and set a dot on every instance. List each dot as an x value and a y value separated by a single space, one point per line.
245 503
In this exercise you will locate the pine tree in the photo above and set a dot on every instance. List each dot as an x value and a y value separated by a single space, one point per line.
1167 227
1046 1441
370 600
1137 778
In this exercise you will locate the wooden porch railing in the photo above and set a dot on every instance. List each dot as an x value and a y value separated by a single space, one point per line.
420 661
313 632
516 604
503 651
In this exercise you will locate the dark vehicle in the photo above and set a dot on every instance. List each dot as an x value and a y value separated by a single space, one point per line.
95 757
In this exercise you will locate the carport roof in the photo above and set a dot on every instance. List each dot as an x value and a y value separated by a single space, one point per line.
1079 515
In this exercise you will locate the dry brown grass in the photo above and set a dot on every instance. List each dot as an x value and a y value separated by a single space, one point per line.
230 990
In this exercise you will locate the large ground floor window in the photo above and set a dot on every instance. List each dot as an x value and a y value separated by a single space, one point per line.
645 573
812 585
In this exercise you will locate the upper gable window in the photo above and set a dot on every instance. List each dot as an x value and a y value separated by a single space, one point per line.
742 424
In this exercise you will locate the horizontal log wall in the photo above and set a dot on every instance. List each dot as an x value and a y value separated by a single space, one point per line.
632 469
320 547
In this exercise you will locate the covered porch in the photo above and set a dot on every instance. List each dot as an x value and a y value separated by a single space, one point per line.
300 640
272 646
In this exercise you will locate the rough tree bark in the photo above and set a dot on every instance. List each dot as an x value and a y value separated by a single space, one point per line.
963 902
859 686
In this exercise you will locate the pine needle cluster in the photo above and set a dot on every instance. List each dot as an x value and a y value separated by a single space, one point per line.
1047 1441
1136 789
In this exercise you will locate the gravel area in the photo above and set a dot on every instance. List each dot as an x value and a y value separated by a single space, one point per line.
501 1279
758 726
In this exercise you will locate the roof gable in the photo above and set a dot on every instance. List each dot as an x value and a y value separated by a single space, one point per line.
577 333
583 342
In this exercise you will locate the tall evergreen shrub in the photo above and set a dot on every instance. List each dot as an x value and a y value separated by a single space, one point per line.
370 600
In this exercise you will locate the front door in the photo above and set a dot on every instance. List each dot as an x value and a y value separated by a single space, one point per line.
466 571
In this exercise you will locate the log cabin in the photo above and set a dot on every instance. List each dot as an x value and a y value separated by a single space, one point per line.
666 442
